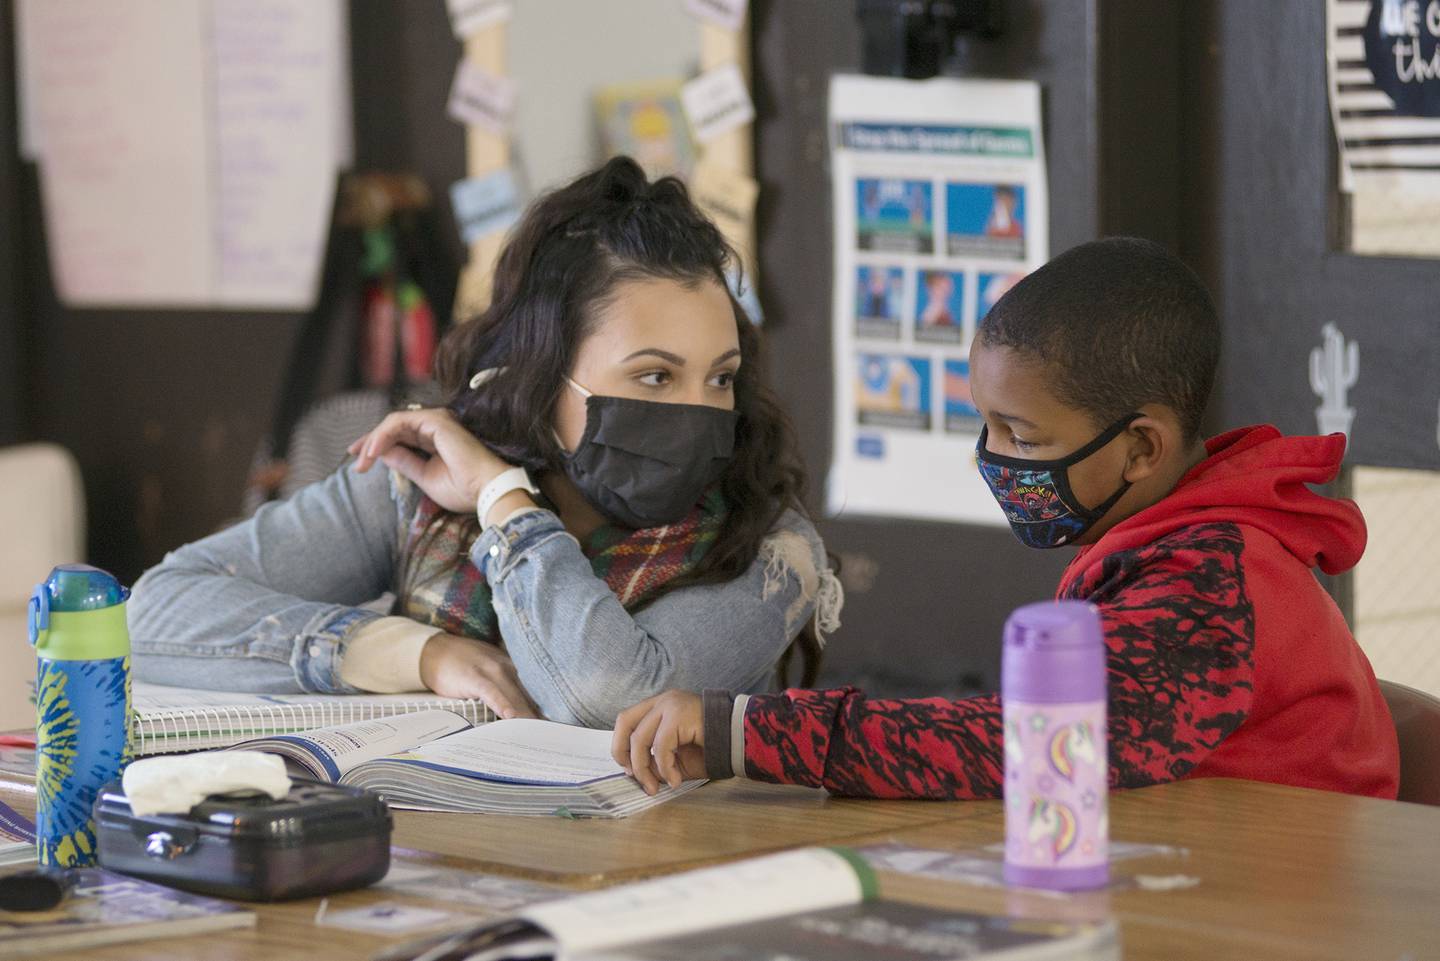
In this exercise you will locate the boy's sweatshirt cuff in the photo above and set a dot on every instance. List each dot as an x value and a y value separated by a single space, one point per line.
737 734
716 708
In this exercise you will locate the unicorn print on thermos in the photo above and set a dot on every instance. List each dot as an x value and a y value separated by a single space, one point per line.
1056 770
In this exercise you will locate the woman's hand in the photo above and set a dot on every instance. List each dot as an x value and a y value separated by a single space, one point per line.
663 737
454 666
458 466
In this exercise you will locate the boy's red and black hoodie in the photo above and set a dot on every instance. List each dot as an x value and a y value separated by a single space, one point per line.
1226 656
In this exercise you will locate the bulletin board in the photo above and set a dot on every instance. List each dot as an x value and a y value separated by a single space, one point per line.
717 104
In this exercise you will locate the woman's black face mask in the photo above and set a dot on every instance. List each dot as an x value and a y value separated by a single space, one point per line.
643 463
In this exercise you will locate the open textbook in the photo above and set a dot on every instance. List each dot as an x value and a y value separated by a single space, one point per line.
439 761
811 904
170 719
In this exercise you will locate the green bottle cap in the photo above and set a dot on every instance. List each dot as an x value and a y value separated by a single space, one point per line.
79 614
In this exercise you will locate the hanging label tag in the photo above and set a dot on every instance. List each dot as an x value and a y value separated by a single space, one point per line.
485 205
481 99
717 102
469 17
729 14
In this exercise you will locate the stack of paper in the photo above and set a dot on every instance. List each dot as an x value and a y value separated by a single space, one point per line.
518 766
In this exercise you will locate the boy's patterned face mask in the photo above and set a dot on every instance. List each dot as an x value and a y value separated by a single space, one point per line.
1036 496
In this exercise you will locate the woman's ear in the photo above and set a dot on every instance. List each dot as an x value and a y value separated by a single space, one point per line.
1152 439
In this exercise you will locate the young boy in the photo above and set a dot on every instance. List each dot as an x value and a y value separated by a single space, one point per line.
1226 657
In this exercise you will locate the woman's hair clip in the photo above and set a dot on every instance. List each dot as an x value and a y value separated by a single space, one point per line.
484 377
573 231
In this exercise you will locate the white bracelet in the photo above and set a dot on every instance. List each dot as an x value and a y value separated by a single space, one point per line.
514 479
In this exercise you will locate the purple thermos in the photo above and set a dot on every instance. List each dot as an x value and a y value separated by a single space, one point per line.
1052 682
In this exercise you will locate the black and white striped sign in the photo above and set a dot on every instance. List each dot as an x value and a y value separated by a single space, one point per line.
1384 62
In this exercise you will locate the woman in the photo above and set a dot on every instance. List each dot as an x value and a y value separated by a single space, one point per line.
606 507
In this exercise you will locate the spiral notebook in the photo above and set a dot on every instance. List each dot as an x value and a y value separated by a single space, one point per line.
171 719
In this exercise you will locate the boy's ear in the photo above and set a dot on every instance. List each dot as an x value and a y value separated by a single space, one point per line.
1154 439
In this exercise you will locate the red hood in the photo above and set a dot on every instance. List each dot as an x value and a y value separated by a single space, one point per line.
1255 476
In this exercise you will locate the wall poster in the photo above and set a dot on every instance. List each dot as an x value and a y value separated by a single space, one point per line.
940 206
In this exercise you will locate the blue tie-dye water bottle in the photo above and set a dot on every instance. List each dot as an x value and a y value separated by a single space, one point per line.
82 699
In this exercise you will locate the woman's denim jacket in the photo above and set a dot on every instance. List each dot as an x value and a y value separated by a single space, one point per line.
268 606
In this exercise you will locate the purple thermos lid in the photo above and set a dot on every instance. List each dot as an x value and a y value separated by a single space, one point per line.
1054 653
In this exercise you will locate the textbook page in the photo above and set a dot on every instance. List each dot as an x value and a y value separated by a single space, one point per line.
805 880
525 751
339 749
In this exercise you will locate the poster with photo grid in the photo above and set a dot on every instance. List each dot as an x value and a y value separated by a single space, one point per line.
940 207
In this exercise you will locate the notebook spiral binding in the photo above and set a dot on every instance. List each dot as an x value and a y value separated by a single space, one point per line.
166 732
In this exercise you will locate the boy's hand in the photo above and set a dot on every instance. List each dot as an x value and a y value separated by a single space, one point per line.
663 737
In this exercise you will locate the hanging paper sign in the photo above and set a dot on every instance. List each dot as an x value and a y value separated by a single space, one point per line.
1384 77
717 102
1402 50
188 151
468 17
729 14
485 205
481 99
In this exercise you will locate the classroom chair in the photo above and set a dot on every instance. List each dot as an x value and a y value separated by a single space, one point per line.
42 523
316 446
1417 725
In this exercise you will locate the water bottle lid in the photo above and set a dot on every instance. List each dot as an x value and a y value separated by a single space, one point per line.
70 588
1054 653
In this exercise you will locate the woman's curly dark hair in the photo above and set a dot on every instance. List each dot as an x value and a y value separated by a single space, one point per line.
565 259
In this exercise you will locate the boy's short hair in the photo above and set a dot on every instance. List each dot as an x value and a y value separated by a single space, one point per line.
1120 322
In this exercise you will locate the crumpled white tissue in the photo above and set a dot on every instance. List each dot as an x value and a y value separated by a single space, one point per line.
174 784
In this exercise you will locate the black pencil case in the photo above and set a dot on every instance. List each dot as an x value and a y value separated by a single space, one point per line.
318 839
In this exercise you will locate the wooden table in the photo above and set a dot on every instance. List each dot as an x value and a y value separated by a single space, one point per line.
1283 872
719 822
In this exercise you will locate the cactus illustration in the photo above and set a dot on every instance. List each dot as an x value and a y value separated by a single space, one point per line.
1334 368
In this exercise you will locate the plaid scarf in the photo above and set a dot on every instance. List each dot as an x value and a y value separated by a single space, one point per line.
441 587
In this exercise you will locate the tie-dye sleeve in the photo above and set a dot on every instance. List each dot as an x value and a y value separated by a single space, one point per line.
1180 630
1180 627
851 745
